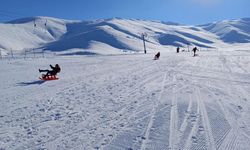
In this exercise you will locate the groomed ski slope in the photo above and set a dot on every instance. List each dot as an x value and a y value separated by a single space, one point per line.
128 102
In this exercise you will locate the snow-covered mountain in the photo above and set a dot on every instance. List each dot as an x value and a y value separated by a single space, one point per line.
125 102
231 31
116 35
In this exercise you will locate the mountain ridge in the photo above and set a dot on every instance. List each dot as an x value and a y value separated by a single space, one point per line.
118 34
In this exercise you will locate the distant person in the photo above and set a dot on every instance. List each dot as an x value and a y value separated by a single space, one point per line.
157 56
178 49
52 72
195 49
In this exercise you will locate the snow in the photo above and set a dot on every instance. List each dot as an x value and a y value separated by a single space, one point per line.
113 36
111 96
128 102
230 31
22 34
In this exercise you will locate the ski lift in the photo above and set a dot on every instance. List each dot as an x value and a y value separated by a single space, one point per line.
144 35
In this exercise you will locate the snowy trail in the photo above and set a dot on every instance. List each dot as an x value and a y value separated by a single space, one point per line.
152 115
173 140
128 102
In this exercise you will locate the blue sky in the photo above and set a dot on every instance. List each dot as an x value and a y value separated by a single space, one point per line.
180 11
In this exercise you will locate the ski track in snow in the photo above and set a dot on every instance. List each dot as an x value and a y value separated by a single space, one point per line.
128 102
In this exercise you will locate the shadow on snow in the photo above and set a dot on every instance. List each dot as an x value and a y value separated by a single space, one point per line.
38 82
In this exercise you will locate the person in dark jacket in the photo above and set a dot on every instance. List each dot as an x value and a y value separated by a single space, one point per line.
178 49
157 56
52 72
195 49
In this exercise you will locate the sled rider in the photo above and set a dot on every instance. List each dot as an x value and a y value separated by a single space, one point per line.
52 72
157 56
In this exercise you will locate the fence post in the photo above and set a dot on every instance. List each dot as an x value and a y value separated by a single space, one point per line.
25 54
34 52
43 53
12 55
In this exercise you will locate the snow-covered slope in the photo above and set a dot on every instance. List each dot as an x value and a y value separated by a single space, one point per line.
116 35
128 102
231 31
30 32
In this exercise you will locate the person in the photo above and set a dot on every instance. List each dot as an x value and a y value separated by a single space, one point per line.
178 49
157 56
52 72
195 49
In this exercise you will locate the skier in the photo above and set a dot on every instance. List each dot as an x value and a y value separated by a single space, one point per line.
157 56
52 72
195 49
178 49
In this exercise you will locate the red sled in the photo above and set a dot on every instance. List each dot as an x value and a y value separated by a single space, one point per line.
49 77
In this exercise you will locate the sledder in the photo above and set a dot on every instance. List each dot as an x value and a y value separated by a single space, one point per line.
51 74
157 56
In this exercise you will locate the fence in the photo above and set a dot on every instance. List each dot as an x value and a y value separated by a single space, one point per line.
25 54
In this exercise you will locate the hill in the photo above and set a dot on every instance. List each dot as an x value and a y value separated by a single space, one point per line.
116 35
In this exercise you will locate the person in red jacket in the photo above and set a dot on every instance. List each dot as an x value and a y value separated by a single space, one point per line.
52 72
